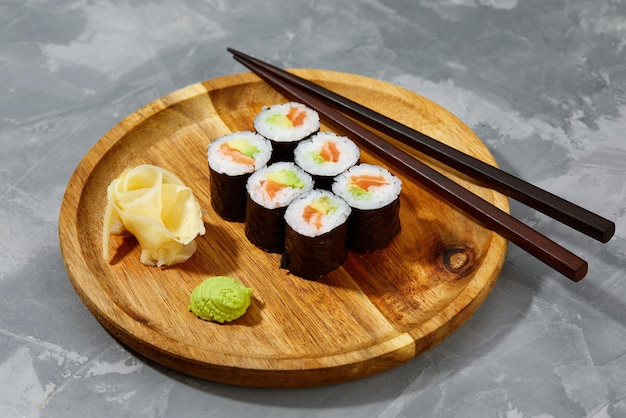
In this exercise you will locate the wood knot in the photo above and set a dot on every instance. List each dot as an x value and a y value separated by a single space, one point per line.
458 260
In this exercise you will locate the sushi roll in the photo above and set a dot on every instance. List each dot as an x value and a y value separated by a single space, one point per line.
373 193
285 125
232 159
269 192
315 235
326 155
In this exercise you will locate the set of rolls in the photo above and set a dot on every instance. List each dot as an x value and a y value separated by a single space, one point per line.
361 214
302 193
315 234
234 157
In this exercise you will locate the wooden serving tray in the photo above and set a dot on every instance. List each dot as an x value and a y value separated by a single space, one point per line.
375 312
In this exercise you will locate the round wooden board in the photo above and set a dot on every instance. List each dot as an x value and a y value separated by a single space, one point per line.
375 312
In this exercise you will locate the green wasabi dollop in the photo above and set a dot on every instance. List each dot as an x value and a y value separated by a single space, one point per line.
220 299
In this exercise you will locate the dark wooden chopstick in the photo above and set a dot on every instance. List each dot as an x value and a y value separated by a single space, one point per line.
554 206
479 209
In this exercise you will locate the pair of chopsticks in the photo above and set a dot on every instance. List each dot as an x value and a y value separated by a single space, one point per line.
331 105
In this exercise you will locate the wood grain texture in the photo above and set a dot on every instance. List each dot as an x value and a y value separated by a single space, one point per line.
375 312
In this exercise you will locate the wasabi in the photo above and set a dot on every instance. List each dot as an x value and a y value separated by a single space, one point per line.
220 299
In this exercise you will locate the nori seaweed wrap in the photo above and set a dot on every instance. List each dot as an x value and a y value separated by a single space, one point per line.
315 235
269 191
265 227
228 196
373 193
232 159
373 229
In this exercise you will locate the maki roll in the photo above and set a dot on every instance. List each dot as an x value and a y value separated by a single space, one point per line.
232 158
269 191
325 155
315 235
373 193
285 125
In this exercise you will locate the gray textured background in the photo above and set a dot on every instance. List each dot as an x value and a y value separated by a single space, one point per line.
542 82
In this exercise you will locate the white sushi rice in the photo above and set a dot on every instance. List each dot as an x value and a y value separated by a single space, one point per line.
286 194
376 197
307 154
225 164
331 220
281 133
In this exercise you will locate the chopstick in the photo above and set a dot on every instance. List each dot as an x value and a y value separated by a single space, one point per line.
491 217
554 206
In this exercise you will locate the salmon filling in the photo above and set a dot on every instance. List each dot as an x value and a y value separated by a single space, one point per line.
365 181
312 216
272 187
236 155
330 152
296 116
